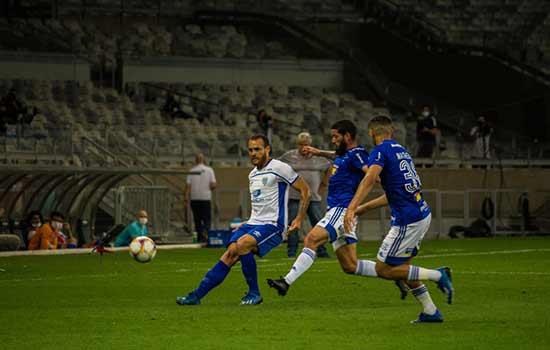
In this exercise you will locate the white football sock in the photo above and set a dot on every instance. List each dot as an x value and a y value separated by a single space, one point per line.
366 268
421 274
301 265
423 296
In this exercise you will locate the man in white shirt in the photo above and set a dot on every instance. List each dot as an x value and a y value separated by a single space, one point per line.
269 184
199 193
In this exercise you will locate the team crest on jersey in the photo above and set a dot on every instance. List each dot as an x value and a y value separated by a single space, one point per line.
264 180
334 169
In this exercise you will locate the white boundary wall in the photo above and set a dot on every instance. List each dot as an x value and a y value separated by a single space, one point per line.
320 73
42 66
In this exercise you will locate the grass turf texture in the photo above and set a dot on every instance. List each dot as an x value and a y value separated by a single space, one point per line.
82 302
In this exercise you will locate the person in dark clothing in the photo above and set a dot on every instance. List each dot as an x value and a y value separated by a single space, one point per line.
265 122
481 133
173 108
427 133
10 108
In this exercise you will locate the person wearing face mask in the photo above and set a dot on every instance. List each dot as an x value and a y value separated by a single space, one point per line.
316 172
47 236
135 229
427 133
33 222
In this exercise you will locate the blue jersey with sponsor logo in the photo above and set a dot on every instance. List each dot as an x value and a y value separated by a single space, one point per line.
400 182
346 175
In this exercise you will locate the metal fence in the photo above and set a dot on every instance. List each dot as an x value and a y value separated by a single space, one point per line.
156 200
502 209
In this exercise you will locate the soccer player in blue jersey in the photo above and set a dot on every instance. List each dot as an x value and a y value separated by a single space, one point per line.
269 185
349 168
410 214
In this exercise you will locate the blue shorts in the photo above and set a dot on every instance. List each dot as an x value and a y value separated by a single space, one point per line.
267 236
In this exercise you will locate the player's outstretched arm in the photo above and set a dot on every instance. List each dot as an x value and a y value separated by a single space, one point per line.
372 204
319 153
365 187
305 194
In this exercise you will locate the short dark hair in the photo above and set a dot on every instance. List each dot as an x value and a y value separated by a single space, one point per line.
58 214
260 136
33 213
344 126
381 125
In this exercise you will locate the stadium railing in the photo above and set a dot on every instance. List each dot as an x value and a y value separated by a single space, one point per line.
501 209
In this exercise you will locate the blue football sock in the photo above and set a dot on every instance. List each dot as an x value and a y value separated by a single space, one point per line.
248 264
213 278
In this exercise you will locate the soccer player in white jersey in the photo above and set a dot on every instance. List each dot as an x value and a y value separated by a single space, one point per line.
269 185
411 217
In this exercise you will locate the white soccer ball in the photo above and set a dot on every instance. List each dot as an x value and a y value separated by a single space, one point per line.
143 249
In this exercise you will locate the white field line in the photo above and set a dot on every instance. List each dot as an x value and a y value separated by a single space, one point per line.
267 265
89 250
484 253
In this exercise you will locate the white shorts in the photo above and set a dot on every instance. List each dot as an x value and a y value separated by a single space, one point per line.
403 242
333 222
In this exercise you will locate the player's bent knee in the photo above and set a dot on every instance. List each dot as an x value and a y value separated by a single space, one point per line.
232 252
313 241
246 244
349 268
229 258
310 242
382 270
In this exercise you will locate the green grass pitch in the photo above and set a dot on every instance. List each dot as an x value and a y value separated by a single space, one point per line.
81 302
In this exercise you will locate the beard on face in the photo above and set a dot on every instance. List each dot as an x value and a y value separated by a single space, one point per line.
260 160
341 149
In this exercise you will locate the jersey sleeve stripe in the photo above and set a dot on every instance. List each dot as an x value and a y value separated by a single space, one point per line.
293 180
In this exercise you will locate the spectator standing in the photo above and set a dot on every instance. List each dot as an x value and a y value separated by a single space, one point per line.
10 107
316 172
481 133
427 133
198 194
265 123
136 228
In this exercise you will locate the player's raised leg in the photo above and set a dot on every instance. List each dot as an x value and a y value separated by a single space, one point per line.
394 257
213 277
316 237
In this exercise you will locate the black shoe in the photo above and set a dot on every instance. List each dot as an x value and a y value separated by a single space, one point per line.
403 288
280 284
